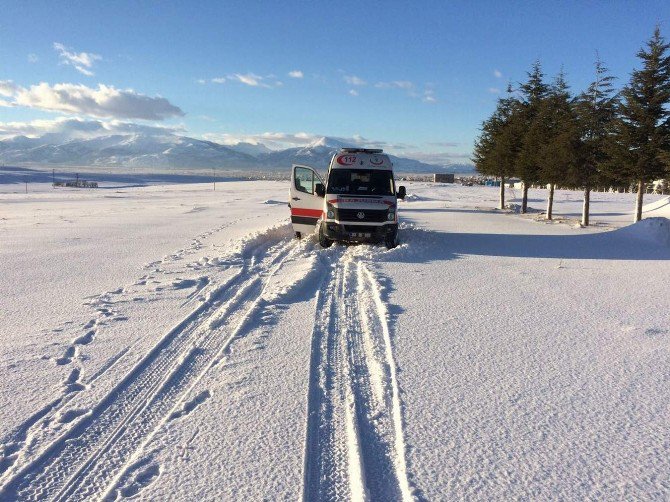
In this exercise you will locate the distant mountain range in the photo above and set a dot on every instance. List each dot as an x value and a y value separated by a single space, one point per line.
171 151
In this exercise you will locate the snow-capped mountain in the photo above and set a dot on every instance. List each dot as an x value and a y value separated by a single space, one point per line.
253 149
171 151
132 150
318 154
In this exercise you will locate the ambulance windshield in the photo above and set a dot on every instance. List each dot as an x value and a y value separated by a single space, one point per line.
360 182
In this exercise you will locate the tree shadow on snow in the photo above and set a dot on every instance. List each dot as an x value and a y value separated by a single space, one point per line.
419 245
451 210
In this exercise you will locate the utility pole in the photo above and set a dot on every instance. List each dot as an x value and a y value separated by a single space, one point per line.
214 177
53 178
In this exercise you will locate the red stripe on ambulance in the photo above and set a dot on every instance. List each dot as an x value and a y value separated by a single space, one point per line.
313 213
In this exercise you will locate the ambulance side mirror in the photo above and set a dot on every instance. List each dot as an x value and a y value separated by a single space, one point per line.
320 190
401 192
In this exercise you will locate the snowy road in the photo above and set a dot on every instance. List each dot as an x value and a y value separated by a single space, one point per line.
246 364
86 461
355 446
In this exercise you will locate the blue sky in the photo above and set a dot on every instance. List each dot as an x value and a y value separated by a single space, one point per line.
417 77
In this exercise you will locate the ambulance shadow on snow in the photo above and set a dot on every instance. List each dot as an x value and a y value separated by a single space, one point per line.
421 246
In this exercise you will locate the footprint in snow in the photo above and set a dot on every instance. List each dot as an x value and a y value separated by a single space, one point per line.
184 283
72 383
192 404
70 353
84 339
654 332
138 476
68 416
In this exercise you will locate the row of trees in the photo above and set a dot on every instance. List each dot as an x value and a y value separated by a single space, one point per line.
542 134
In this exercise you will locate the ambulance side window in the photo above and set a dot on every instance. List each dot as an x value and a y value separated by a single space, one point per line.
304 180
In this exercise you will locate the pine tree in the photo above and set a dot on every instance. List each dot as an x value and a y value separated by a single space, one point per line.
559 154
642 136
596 112
534 92
498 145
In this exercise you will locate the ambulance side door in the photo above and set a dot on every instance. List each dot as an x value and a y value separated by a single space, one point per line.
306 206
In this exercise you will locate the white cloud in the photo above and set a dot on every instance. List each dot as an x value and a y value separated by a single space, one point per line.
440 158
396 84
444 144
82 61
105 101
353 92
494 90
8 88
273 140
429 96
76 128
219 80
249 79
281 140
497 74
201 81
253 80
410 88
32 58
295 74
354 80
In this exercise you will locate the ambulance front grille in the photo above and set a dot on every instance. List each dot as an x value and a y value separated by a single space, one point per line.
371 215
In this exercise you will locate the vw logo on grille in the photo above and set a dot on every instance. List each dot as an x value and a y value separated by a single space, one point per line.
360 215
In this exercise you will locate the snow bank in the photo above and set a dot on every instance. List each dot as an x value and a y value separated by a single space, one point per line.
516 208
655 230
658 208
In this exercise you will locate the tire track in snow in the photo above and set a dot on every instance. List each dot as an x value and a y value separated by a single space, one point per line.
88 459
16 445
354 447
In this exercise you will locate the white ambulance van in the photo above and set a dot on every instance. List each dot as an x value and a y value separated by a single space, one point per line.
358 202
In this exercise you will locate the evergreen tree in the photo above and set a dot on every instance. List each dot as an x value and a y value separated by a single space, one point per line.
596 112
534 91
559 154
642 136
498 145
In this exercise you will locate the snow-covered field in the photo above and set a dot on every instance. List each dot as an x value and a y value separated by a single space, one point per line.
172 342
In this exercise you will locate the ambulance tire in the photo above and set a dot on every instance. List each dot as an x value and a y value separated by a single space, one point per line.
324 241
391 240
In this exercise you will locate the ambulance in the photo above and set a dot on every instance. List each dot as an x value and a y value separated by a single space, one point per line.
357 203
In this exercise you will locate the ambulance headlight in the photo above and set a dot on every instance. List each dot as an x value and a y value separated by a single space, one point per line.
391 215
330 213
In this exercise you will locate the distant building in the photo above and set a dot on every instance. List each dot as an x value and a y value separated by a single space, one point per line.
443 178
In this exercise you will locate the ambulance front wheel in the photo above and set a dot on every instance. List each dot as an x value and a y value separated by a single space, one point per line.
391 239
323 240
